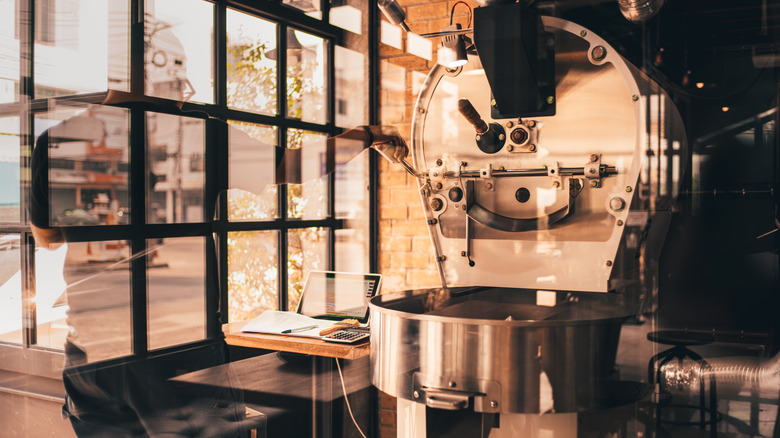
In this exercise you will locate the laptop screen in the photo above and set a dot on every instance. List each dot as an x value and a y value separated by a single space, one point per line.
338 295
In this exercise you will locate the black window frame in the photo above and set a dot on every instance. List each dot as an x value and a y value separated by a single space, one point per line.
215 115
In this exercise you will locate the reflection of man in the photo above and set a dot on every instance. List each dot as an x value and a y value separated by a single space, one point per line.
133 396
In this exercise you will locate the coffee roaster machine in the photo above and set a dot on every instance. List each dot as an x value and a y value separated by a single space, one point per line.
538 171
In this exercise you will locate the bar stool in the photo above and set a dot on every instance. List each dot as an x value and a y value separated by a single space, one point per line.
680 341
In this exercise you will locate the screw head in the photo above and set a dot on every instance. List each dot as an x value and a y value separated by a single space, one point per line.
594 158
628 189
438 186
421 110
501 137
510 148
439 162
493 102
635 98
489 186
509 124
493 404
478 137
416 394
590 171
594 183
619 223
617 203
463 207
436 204
609 262
550 100
532 147
463 253
598 53
452 384
556 184
531 123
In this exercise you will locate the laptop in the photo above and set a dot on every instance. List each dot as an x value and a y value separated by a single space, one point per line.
336 296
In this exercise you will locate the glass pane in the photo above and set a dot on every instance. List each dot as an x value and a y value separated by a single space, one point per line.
251 63
177 291
307 251
87 166
349 17
10 288
9 170
96 276
252 194
9 62
253 275
81 46
310 199
352 204
179 50
176 171
310 7
306 73
351 88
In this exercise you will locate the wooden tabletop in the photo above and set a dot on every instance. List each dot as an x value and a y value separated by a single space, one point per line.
273 381
294 344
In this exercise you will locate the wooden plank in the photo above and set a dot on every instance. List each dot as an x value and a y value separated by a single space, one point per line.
294 344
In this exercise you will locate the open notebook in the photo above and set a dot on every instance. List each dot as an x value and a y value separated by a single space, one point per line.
328 297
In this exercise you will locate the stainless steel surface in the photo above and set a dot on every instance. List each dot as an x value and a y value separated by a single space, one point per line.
606 108
495 348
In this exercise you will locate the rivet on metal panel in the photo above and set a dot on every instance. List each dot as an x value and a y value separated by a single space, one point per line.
441 258
620 223
416 394
510 148
509 124
550 100
556 184
598 53
609 262
583 33
635 98
594 183
493 404
628 189
452 384
439 162
422 110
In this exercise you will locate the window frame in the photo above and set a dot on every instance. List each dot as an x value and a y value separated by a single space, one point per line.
216 115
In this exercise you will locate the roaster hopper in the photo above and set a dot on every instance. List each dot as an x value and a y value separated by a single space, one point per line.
544 240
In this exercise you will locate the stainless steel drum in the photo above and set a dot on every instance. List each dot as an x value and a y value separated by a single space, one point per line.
495 349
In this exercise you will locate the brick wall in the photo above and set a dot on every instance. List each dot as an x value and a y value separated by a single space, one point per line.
405 253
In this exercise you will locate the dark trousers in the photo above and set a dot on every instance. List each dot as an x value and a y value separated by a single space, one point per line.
135 398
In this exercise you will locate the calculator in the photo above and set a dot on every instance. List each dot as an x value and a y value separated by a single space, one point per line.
348 336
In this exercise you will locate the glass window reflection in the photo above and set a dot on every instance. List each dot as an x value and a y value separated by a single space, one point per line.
308 200
9 170
251 63
80 46
252 194
306 72
178 50
10 288
82 291
88 164
177 290
307 251
176 172
253 275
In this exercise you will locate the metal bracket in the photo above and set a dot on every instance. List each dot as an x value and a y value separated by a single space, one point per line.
554 172
592 170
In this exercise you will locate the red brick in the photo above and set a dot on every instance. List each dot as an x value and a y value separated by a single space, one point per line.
393 211
396 177
410 62
422 244
410 228
405 195
427 11
388 432
423 278
401 244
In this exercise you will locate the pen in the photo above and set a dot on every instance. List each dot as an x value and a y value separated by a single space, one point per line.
299 329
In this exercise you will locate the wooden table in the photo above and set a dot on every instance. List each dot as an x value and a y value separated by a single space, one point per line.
309 383
293 344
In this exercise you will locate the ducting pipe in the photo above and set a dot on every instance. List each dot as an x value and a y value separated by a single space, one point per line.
640 10
732 375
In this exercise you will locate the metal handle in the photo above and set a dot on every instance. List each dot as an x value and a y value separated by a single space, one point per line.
448 401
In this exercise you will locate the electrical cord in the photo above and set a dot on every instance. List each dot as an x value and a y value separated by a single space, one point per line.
346 399
452 11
